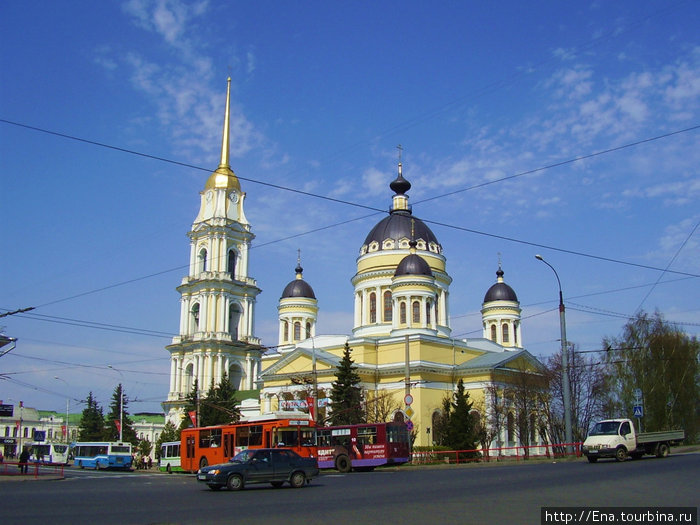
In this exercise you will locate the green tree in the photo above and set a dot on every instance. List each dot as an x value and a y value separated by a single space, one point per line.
662 361
191 405
144 447
112 419
170 433
346 395
91 421
459 430
220 405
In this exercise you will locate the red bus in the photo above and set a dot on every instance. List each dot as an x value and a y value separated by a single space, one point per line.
204 446
362 447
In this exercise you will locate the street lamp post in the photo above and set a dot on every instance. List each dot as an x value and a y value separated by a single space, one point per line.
121 404
67 428
566 387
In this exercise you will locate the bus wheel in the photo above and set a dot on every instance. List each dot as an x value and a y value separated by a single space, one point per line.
342 463
203 462
80 464
235 482
168 469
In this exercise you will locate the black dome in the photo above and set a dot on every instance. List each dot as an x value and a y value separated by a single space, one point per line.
500 291
298 287
413 265
398 226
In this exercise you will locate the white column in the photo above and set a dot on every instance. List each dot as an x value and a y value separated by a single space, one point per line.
173 370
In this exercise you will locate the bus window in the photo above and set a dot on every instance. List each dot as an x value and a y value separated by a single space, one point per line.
366 435
242 436
256 432
210 437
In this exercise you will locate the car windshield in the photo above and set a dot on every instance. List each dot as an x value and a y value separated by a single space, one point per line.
242 457
605 428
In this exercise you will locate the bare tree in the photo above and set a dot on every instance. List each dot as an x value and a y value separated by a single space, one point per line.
492 417
381 406
524 393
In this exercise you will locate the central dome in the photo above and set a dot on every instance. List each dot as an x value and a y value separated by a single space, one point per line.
398 225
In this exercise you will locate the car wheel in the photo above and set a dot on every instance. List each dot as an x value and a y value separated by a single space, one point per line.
276 484
662 450
591 459
235 482
342 463
297 480
621 453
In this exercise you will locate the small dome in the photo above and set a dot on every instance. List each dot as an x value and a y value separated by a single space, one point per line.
298 287
413 265
500 291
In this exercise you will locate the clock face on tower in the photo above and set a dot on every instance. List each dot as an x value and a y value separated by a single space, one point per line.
233 196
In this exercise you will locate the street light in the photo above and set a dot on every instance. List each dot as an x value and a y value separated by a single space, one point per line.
121 402
566 387
67 428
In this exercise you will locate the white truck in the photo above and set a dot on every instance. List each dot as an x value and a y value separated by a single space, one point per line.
617 438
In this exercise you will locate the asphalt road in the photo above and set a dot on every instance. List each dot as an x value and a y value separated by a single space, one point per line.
493 494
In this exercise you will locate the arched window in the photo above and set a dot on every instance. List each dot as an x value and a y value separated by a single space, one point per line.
388 314
416 312
372 307
297 331
231 264
195 318
189 377
308 330
234 316
285 331
505 333
202 260
235 376
402 312
493 333
428 306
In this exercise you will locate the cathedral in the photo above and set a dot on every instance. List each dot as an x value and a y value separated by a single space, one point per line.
400 341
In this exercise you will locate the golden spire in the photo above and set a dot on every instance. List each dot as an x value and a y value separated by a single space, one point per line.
225 140
224 177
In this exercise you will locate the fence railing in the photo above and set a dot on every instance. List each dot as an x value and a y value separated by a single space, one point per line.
514 453
15 468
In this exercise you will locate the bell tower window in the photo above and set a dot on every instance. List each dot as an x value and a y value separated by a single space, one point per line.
231 263
493 333
402 312
234 314
195 318
416 312
428 306
505 333
202 260
297 331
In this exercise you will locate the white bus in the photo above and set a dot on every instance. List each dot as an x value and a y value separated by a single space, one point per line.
49 453
170 457
103 454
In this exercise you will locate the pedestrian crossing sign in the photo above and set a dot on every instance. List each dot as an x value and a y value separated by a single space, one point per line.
638 411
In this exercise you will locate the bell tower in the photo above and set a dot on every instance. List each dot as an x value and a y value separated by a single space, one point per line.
217 297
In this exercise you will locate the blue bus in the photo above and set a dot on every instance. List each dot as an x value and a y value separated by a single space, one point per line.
99 455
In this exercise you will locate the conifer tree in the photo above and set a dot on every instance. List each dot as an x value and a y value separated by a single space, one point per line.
91 421
347 403
191 405
112 419
220 405
169 433
460 428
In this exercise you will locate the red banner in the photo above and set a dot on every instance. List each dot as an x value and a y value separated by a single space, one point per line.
118 425
310 403
193 417
63 429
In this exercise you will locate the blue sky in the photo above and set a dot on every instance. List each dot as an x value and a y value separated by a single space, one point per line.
322 94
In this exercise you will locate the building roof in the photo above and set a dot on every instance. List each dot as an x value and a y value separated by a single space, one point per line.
500 291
